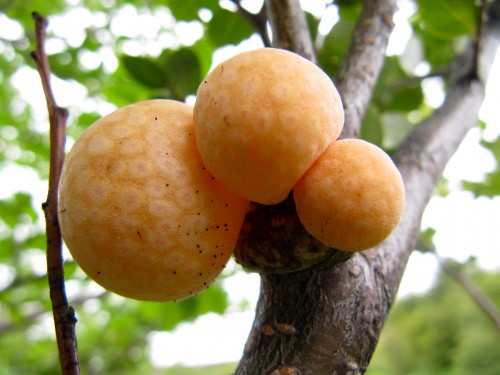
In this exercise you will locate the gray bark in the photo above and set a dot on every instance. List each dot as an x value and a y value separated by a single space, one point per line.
326 319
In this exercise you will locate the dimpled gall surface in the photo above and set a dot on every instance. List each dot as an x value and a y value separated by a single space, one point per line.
352 197
262 118
138 210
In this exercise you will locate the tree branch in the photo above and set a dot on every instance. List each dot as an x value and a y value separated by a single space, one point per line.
64 315
482 300
259 21
327 319
364 60
289 27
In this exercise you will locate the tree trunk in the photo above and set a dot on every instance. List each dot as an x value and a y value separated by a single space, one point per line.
327 319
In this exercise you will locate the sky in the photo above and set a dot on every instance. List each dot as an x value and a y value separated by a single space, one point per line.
465 226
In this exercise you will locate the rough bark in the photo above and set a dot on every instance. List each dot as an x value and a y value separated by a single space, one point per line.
327 319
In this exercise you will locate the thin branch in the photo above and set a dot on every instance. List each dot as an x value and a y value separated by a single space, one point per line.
289 27
259 21
64 315
478 296
364 60
422 157
426 151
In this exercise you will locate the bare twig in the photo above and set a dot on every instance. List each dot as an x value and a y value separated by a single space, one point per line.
64 315
364 60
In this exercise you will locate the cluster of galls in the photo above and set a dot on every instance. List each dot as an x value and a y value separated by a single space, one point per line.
153 196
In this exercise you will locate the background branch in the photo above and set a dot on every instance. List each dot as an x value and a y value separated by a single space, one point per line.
364 60
64 315
456 272
289 27
259 21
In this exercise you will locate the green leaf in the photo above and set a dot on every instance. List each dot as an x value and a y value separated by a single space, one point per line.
335 46
187 10
17 209
228 27
313 24
204 51
447 19
425 241
405 99
439 24
184 72
395 90
371 130
490 187
437 52
120 89
395 127
145 71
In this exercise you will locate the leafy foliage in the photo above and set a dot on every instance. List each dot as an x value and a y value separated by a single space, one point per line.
115 66
442 332
490 187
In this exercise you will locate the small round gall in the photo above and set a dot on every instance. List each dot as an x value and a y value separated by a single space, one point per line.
262 118
352 198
